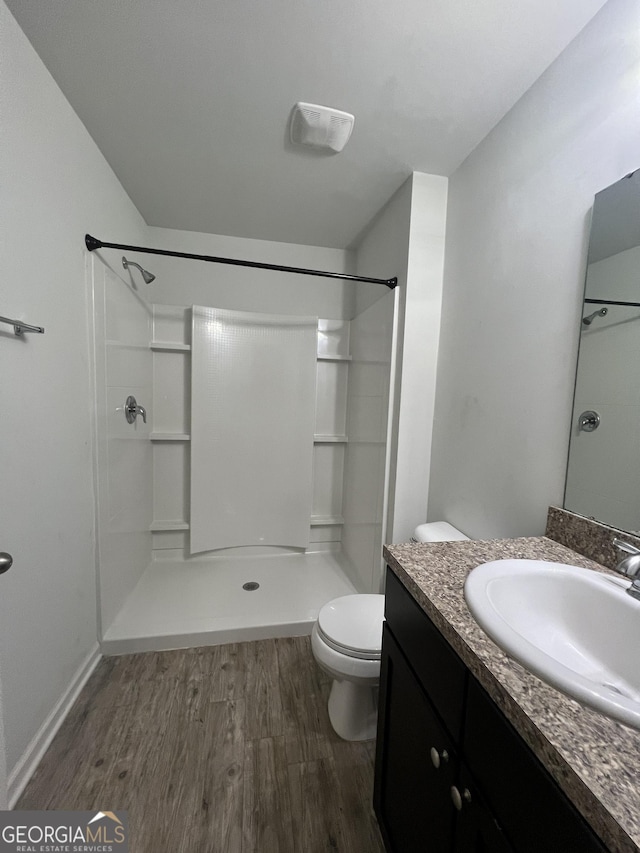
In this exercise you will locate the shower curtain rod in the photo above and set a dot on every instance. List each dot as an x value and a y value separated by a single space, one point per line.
612 302
93 243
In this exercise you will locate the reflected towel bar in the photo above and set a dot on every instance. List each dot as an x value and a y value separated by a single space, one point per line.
92 244
19 327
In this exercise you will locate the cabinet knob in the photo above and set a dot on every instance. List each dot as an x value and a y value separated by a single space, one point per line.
458 798
438 757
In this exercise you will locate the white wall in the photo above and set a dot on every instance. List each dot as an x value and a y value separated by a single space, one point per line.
407 240
517 233
55 186
187 282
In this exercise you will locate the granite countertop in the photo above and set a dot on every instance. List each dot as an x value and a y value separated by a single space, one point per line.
594 759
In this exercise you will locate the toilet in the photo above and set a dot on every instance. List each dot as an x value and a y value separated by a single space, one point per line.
346 641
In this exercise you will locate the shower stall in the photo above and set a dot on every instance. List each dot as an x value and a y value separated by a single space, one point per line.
256 489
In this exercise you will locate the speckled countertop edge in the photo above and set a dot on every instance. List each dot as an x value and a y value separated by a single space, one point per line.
595 760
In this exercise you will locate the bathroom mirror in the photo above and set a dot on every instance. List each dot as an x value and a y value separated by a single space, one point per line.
603 473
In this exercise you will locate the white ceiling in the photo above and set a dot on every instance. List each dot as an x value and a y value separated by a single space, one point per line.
189 100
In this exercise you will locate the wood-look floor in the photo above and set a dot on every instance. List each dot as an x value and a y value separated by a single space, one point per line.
223 749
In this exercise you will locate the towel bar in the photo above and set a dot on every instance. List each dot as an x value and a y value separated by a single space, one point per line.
19 327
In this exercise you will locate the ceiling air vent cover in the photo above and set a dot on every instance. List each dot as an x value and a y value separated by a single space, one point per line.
320 127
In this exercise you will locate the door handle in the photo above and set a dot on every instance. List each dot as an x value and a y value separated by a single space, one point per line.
6 561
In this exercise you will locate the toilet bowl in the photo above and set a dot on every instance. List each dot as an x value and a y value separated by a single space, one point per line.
346 641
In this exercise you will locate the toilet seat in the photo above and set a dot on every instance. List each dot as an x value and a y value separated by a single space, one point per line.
352 625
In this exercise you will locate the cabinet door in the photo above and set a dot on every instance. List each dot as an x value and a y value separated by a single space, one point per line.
476 829
412 794
535 814
436 665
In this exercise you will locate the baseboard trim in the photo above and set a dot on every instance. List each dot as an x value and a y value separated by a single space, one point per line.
32 755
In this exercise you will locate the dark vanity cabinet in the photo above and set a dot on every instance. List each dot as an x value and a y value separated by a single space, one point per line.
452 774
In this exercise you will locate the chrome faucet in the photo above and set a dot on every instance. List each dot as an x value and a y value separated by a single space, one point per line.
132 410
629 565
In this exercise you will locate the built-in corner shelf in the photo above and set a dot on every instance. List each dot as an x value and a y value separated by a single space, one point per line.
170 436
168 525
334 357
329 439
168 346
315 521
326 520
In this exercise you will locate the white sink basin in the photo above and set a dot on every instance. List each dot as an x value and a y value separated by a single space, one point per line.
575 628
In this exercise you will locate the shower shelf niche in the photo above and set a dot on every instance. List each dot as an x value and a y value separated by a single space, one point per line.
168 346
169 525
170 436
184 436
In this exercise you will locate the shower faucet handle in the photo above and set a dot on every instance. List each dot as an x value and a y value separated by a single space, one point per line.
132 410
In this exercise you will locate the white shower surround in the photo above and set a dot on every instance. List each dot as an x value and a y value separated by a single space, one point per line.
171 599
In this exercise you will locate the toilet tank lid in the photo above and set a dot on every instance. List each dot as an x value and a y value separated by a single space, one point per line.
354 621
438 531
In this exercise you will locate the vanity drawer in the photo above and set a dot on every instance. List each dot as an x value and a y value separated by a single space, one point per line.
527 802
437 666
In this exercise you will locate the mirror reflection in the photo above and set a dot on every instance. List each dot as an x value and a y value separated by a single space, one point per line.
603 473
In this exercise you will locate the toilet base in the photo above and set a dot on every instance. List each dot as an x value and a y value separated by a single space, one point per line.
353 710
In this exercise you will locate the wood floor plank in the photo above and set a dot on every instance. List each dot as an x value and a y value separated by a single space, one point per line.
267 806
262 691
346 822
222 668
73 765
198 804
315 830
354 775
130 674
197 745
304 694
217 788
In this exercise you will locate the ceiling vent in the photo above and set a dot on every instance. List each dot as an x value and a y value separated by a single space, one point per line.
320 127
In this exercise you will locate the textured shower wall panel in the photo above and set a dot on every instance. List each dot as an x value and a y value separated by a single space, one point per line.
253 393
367 421
171 483
171 392
122 325
328 467
331 397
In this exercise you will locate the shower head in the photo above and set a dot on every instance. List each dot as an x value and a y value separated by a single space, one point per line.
601 312
147 276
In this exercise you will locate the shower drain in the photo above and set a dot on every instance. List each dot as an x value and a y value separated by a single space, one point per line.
250 586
